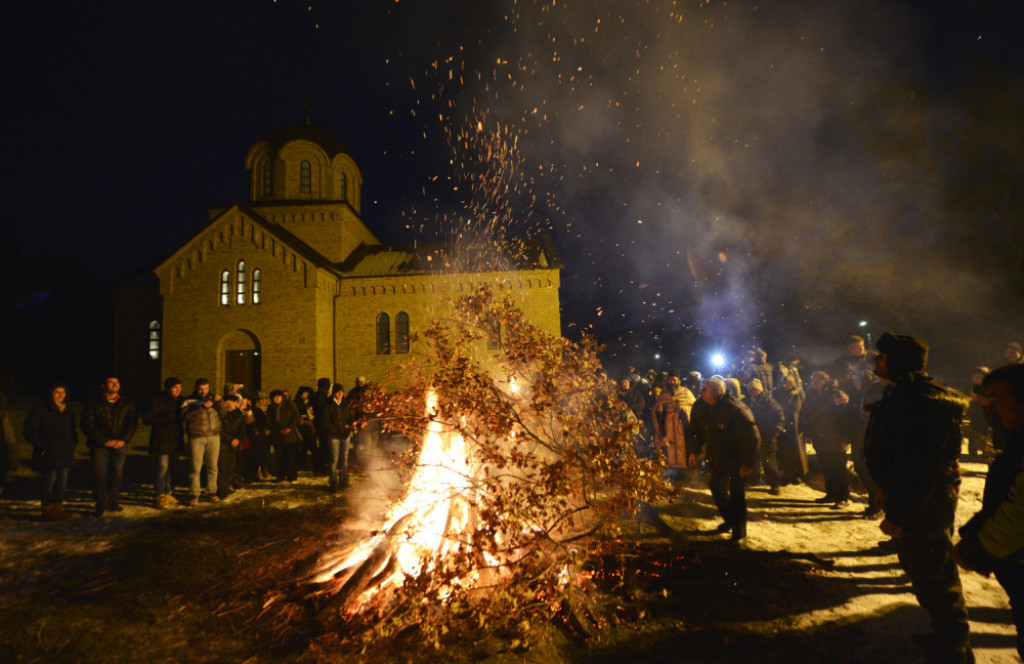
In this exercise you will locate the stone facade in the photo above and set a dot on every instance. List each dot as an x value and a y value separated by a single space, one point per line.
288 287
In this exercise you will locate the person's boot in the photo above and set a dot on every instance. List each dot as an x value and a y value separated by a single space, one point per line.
170 499
61 514
160 502
51 512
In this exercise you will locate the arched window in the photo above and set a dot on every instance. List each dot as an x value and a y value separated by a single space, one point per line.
240 284
267 181
257 286
343 187
305 177
402 333
383 334
225 288
154 340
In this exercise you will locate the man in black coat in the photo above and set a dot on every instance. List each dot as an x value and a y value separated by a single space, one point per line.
912 447
108 423
993 540
728 437
336 433
166 439
771 422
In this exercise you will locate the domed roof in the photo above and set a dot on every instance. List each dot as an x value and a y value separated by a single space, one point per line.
280 135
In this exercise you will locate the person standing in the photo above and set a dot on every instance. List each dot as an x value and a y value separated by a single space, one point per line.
993 539
202 422
282 428
8 461
771 422
232 431
165 440
728 437
828 423
108 423
912 446
50 428
791 454
336 433
670 414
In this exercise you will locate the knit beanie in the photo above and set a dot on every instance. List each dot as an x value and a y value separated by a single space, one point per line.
904 354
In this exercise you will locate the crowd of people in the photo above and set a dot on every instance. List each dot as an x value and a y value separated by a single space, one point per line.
903 430
227 439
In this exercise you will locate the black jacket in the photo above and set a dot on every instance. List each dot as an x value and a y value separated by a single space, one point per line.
770 419
337 421
164 418
729 435
1002 532
912 447
232 426
103 421
53 437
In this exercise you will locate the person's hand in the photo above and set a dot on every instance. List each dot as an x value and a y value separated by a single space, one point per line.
890 528
745 470
216 397
235 442
286 431
692 461
207 403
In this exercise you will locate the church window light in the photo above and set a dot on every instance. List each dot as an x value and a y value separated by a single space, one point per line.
267 181
305 177
225 288
343 187
402 333
383 334
240 284
154 340
257 286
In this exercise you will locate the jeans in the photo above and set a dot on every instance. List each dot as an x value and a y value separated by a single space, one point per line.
163 483
55 482
338 450
107 472
205 450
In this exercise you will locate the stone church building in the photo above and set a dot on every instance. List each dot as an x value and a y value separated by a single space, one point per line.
292 285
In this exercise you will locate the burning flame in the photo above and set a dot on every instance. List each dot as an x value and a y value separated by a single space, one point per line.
429 522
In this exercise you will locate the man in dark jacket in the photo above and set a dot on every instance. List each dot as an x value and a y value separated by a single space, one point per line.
108 423
335 433
728 437
319 400
232 431
912 447
828 424
771 421
993 540
165 440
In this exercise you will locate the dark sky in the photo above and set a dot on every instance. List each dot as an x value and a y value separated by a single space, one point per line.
743 171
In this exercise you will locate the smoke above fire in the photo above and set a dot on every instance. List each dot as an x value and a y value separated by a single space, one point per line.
740 170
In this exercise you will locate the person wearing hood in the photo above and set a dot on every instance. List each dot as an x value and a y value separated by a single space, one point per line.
166 439
912 447
319 400
993 539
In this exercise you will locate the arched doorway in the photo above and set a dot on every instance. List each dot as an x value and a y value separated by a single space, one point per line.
240 353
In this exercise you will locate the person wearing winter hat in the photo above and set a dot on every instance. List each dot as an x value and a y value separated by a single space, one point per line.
912 447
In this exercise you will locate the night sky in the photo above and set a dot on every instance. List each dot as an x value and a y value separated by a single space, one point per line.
713 173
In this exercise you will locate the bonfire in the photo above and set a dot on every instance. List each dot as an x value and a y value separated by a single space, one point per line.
521 460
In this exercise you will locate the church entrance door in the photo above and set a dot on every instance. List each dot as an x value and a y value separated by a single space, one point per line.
243 366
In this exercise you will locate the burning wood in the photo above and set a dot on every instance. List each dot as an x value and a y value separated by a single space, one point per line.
509 476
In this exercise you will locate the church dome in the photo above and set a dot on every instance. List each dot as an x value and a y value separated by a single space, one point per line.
281 135
301 162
